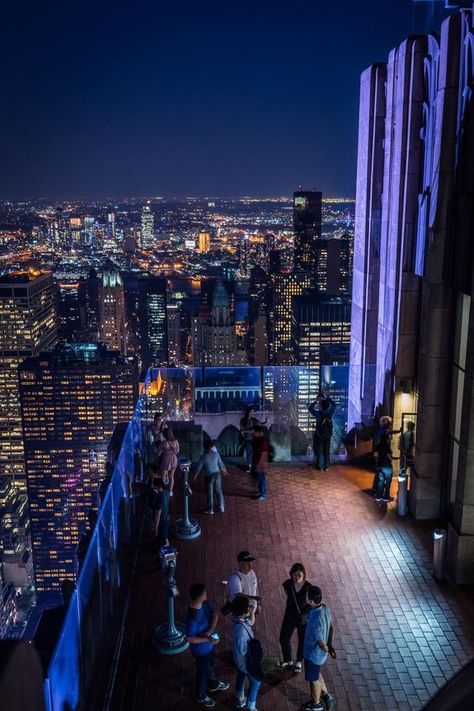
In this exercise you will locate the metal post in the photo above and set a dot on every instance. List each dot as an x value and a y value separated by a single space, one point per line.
170 637
439 552
186 528
402 494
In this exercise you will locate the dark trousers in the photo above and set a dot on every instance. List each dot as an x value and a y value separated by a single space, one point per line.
288 626
384 480
205 675
321 447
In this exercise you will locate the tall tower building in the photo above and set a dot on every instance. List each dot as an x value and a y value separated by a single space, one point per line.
147 228
307 229
204 242
214 337
413 313
259 300
28 325
71 400
146 318
112 312
284 288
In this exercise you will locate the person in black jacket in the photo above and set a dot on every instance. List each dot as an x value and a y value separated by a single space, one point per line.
296 614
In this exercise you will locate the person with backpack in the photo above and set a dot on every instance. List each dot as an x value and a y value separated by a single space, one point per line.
201 622
322 410
317 646
247 654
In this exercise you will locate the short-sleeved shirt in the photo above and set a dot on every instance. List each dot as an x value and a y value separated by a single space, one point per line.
243 583
319 624
196 626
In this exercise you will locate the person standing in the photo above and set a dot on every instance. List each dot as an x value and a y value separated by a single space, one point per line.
296 616
210 462
322 410
159 504
247 425
167 458
317 645
407 446
242 622
260 454
384 472
201 622
243 582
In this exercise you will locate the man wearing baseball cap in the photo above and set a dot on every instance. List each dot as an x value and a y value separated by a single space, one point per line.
243 582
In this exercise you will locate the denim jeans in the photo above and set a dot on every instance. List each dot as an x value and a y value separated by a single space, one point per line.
205 675
214 485
384 480
288 626
261 483
253 688
321 446
164 529
248 452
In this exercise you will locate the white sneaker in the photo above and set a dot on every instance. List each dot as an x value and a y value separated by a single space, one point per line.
209 511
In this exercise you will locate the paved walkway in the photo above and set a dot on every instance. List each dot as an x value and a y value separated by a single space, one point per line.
399 634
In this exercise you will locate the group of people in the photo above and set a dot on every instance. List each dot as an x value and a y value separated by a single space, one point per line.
383 455
305 613
164 461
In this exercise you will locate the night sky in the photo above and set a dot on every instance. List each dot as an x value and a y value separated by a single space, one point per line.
113 98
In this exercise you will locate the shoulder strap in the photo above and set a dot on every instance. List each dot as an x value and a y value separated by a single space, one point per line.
246 629
294 598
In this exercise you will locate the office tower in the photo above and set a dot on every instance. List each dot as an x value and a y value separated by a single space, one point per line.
89 231
259 299
319 320
76 229
334 274
214 337
61 238
204 242
147 228
307 229
71 305
412 312
28 325
111 224
112 312
146 319
175 334
244 256
71 400
16 560
284 288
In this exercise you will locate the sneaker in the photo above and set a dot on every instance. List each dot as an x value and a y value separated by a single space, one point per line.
313 706
378 499
207 702
261 498
328 701
221 509
221 686
209 511
284 665
388 499
240 703
298 668
248 470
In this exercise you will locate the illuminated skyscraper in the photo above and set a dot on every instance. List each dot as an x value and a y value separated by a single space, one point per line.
147 228
284 288
71 400
259 299
307 228
146 321
214 336
28 325
112 312
412 314
204 242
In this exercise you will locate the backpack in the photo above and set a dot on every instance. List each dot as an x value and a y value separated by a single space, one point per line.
254 656
324 428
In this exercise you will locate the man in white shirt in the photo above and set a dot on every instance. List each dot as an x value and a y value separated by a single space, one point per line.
243 582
